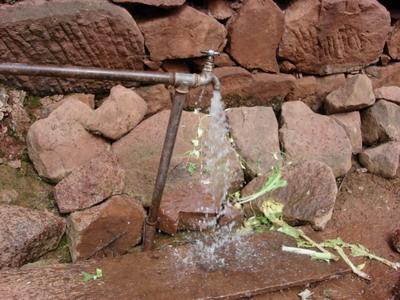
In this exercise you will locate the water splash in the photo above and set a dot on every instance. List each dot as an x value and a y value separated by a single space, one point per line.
216 247
217 151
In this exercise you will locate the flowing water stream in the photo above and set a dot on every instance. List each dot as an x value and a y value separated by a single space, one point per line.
209 248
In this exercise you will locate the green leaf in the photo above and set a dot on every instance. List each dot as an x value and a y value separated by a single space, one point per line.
88 277
322 256
333 243
273 182
290 231
191 168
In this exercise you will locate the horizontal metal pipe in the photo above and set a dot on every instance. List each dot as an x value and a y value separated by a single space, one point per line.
17 69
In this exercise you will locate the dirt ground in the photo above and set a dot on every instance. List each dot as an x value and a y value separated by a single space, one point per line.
367 211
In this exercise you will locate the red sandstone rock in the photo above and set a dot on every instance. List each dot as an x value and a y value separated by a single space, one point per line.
380 123
382 160
27 234
88 99
139 155
187 202
332 36
384 76
255 134
181 33
157 97
240 88
224 60
254 35
59 144
312 90
186 205
287 67
64 32
219 9
355 94
388 93
393 42
306 135
93 182
106 229
159 3
309 197
118 114
351 123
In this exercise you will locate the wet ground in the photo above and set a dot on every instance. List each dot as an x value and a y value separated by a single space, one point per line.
367 211
247 266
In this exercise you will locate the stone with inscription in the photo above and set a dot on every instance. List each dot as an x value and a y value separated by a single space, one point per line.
87 33
333 36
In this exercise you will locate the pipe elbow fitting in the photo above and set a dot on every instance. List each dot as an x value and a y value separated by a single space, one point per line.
216 83
207 78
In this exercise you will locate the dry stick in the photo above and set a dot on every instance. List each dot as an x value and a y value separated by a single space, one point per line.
350 264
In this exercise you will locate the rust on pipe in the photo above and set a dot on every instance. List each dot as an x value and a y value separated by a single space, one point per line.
17 69
168 148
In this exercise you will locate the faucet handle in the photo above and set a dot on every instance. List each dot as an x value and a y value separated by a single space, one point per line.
211 53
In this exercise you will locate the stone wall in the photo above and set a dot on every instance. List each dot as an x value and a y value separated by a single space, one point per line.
285 45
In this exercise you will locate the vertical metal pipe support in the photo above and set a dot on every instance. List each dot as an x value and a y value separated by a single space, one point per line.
168 148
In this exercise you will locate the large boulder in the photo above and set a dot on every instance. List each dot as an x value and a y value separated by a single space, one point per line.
64 32
118 114
90 184
254 35
333 36
382 160
381 123
107 229
351 123
355 94
388 93
308 198
59 143
181 33
306 135
139 154
255 134
27 234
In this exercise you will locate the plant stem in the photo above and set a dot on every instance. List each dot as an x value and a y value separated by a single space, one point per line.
316 245
350 264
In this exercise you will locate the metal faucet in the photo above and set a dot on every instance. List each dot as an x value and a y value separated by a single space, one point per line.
182 82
